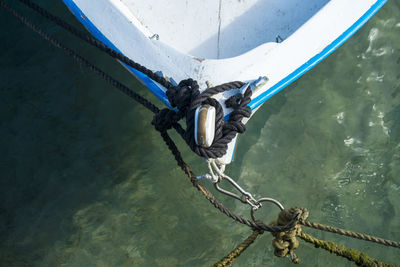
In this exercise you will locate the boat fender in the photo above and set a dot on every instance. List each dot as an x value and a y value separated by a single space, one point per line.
204 125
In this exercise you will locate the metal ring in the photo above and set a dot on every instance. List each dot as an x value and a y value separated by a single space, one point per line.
266 199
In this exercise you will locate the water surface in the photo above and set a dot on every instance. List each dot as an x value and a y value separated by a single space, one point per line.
86 181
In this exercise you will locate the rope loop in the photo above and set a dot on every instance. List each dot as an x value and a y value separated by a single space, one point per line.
165 119
186 97
183 94
288 221
234 101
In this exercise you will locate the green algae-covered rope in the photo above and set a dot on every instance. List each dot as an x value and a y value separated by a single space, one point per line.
231 257
352 234
285 242
356 256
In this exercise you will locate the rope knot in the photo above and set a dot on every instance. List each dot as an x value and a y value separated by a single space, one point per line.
165 119
186 97
285 242
181 96
234 101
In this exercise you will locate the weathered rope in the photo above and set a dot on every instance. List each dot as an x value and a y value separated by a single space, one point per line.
186 96
171 145
254 225
123 88
154 109
356 256
181 96
348 233
285 243
234 254
96 43
296 216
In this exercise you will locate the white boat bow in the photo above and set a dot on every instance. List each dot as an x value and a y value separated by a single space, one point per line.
221 41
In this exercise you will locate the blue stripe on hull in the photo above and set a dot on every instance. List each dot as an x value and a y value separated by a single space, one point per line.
256 102
149 83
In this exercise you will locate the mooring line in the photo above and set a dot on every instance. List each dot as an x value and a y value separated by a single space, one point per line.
293 218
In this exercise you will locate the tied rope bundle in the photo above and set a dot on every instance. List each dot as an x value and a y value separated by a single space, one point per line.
186 98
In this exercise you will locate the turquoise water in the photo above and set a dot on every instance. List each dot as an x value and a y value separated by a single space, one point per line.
86 181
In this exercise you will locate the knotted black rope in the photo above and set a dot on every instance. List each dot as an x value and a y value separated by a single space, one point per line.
171 145
96 43
240 110
181 97
186 97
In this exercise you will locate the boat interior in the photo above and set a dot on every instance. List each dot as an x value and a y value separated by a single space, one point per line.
217 29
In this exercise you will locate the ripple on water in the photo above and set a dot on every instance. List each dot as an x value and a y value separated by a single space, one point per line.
329 142
375 77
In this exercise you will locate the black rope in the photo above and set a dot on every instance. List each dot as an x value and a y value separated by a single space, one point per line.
224 132
171 145
237 102
96 43
186 97
123 88
254 225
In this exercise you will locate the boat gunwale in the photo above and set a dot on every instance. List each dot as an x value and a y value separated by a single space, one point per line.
256 102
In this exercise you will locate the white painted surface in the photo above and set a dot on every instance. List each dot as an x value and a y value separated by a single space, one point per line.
223 40
307 35
222 28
